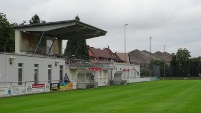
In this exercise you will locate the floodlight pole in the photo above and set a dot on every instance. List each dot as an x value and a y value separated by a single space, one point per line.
150 57
164 62
125 41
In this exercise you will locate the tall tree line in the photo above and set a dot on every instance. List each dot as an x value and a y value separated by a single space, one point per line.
7 41
182 65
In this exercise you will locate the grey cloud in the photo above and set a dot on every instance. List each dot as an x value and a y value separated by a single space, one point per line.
175 23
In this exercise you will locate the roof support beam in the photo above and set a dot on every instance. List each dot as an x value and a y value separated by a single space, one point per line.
51 46
39 42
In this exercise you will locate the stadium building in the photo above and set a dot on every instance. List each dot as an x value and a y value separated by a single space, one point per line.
38 59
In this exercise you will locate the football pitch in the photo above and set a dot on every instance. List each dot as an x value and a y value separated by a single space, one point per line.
163 96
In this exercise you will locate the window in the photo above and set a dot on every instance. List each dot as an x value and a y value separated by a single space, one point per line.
20 74
36 66
49 73
61 73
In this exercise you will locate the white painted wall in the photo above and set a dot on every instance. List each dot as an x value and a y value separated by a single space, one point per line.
133 73
11 70
104 79
99 76
2 68
72 74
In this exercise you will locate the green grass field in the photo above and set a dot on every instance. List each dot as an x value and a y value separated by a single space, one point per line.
164 96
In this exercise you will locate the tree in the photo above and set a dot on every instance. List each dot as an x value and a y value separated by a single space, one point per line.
161 65
71 47
7 43
77 18
173 65
77 47
194 67
180 63
36 19
182 55
23 22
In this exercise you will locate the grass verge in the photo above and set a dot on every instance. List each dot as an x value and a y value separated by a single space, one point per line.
163 96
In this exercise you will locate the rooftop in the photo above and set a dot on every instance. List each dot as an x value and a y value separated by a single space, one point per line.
65 30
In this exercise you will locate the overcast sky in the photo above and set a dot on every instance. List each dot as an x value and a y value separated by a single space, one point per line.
174 23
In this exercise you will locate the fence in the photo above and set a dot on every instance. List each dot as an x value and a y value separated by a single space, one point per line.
11 90
180 78
30 87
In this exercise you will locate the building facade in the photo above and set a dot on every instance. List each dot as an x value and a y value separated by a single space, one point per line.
22 69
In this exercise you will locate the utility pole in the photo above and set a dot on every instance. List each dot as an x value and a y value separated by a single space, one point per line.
125 41
150 57
164 62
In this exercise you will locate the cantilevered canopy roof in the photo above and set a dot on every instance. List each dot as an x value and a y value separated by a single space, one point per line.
64 30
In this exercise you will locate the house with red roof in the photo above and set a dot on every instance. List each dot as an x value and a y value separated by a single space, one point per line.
98 55
124 57
103 55
115 56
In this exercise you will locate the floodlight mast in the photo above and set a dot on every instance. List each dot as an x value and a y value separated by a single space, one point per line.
125 42
150 57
